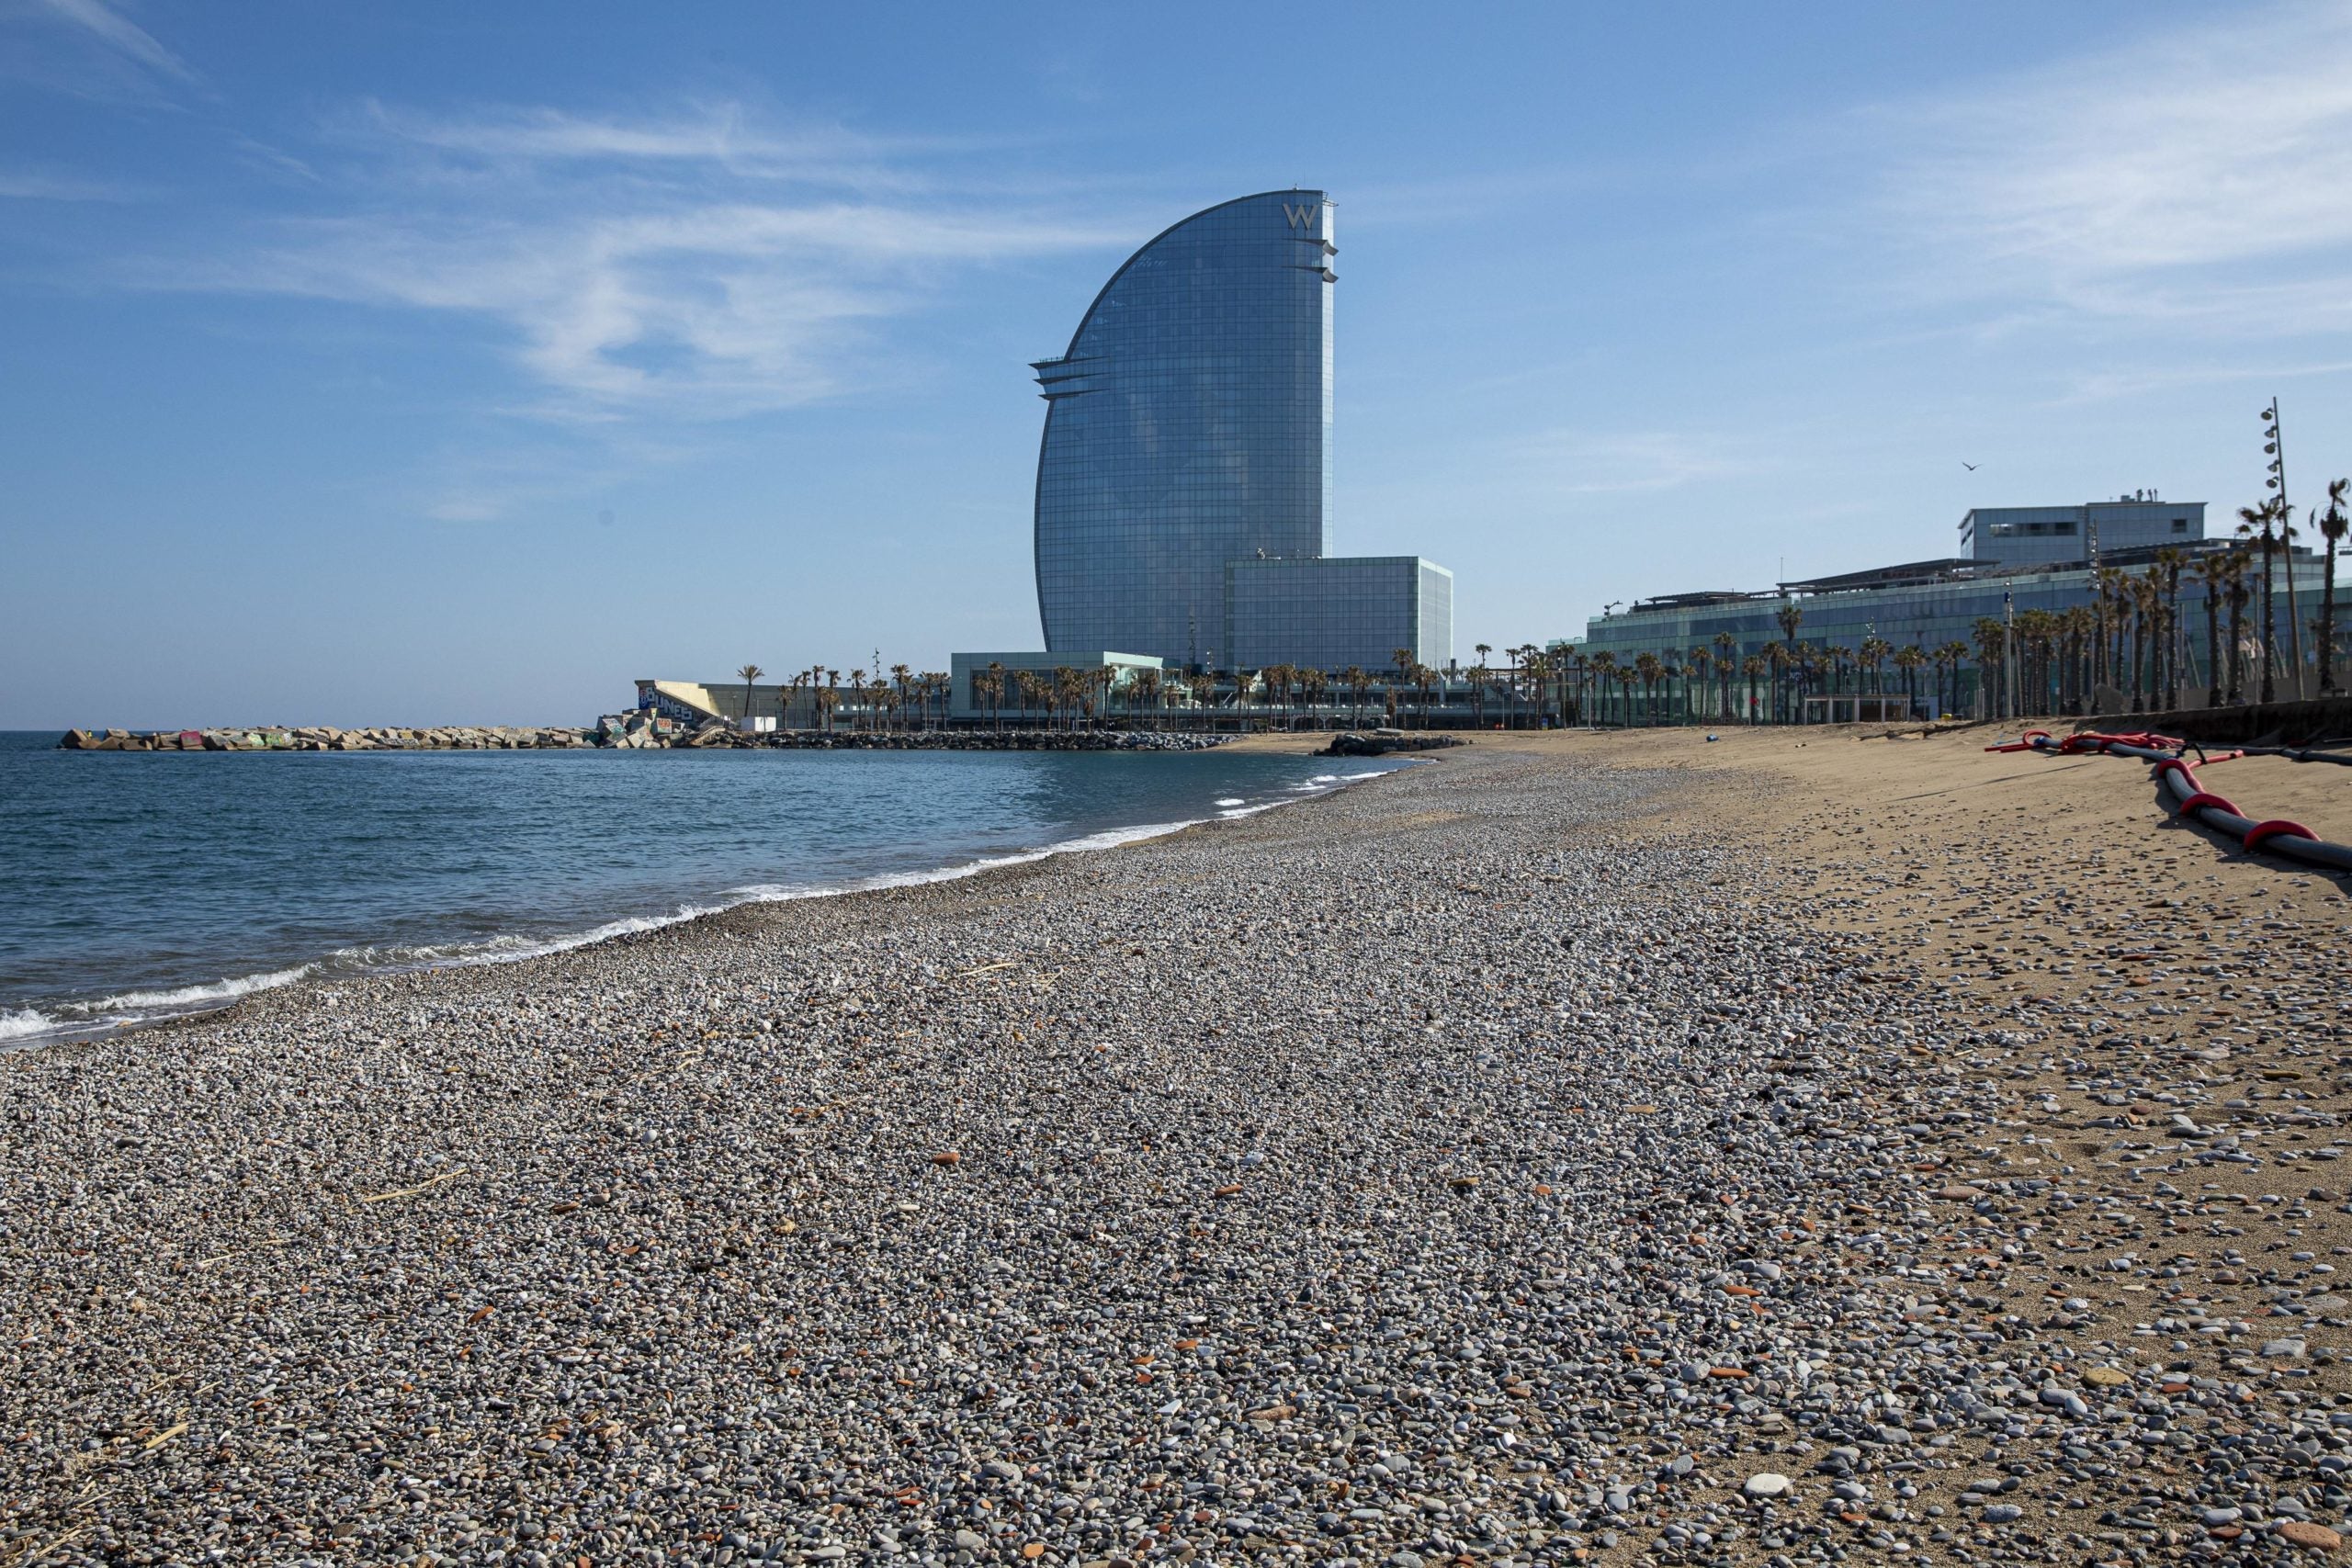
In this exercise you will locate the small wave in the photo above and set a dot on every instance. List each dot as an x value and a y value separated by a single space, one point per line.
226 990
1228 800
23 1024
70 1020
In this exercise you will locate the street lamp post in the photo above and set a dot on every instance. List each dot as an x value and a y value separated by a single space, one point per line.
2275 448
2010 649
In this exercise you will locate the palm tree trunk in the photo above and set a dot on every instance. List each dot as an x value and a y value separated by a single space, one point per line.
2270 625
2327 618
2294 617
2213 649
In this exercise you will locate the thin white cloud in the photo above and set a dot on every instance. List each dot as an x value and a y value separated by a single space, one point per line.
752 274
720 134
120 34
1566 463
35 185
2194 177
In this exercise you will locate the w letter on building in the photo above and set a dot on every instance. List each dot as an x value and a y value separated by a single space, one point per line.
1300 217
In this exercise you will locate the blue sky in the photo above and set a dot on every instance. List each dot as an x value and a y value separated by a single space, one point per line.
429 362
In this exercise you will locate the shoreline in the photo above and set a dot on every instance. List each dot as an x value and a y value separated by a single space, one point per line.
1592 1151
32 1028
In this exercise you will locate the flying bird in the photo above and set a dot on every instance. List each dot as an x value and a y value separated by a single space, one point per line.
1970 466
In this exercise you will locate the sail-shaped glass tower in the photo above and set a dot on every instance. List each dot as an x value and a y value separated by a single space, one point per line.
1188 430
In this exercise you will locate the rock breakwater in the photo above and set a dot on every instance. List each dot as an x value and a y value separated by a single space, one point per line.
318 738
1354 744
627 731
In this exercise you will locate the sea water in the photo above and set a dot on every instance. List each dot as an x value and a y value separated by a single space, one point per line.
138 885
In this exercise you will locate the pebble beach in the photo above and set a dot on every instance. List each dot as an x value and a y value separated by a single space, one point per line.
1574 1150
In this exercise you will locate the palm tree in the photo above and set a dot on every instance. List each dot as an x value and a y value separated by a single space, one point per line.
900 673
792 700
2238 592
2109 589
1837 659
1790 616
2170 562
1649 667
1537 667
2140 594
1873 651
1603 666
2254 523
1203 690
2294 616
2213 573
749 673
2333 525
1988 632
1753 667
1908 659
1726 656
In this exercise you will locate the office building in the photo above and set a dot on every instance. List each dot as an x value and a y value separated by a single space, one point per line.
2024 559
1337 612
1187 439
2036 535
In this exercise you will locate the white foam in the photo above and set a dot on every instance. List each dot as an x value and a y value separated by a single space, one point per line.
23 1024
1228 800
226 990
71 1019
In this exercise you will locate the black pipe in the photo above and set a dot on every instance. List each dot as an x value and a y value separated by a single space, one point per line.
2313 852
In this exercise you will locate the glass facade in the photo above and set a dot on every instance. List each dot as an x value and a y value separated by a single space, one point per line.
1188 426
1338 610
2050 535
1927 614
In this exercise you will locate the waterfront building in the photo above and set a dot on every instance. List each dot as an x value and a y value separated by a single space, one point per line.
1112 678
2036 535
1337 612
1188 435
1945 604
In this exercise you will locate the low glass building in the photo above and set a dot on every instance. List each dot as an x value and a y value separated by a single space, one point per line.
2044 536
1338 612
989 686
1932 606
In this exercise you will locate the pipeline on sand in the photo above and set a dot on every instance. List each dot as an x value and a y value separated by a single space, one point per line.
2191 799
